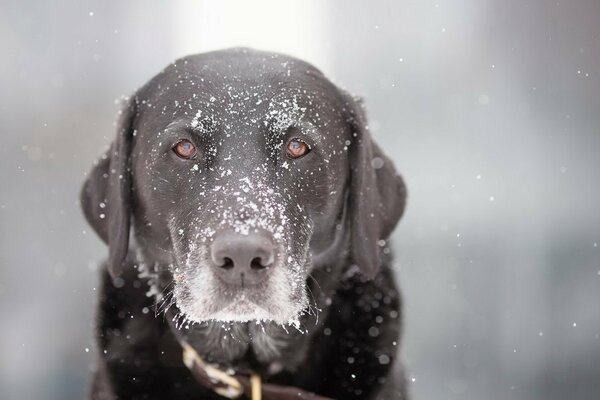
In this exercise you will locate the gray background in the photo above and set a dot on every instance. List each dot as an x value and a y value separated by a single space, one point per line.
489 108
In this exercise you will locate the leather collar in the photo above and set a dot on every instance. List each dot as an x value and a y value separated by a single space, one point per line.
234 386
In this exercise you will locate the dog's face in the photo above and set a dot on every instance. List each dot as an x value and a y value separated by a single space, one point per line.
234 170
242 173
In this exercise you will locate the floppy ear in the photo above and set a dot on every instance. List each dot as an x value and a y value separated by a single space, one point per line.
377 192
106 194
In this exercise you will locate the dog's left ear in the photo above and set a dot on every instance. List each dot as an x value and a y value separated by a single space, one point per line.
377 192
106 194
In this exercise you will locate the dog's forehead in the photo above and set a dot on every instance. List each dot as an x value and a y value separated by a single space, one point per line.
239 91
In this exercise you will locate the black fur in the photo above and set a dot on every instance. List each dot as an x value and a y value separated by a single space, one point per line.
342 202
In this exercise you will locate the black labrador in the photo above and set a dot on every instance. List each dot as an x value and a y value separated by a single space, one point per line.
246 209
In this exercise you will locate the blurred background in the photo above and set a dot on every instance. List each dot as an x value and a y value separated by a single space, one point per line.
490 109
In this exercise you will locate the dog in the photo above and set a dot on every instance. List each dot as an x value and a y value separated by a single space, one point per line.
246 209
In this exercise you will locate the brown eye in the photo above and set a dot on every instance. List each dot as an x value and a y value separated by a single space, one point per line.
296 148
185 149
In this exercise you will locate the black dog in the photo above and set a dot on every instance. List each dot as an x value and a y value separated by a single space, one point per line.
258 208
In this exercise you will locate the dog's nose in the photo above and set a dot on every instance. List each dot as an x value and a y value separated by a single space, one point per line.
242 259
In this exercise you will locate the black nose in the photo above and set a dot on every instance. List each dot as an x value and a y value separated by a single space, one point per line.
242 259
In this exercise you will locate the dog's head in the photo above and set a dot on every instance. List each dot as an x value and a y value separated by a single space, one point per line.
239 172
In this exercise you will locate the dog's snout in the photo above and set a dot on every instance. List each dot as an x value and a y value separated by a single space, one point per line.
242 259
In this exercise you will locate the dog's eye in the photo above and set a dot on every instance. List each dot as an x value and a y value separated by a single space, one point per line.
185 149
296 148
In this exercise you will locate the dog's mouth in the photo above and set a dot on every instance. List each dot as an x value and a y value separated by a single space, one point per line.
242 309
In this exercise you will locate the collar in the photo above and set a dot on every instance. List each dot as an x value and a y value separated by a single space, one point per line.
234 386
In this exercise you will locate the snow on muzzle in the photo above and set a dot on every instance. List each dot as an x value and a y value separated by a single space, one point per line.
247 260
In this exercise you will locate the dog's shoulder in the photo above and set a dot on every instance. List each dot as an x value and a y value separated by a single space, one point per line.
354 353
137 353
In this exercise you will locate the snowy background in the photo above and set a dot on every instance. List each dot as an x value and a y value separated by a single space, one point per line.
490 109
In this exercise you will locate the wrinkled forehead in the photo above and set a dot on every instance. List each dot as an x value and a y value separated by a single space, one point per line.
240 99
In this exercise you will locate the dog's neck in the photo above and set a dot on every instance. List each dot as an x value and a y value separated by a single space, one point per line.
261 346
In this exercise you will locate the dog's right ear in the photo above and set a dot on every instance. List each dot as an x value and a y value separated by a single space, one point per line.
106 194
